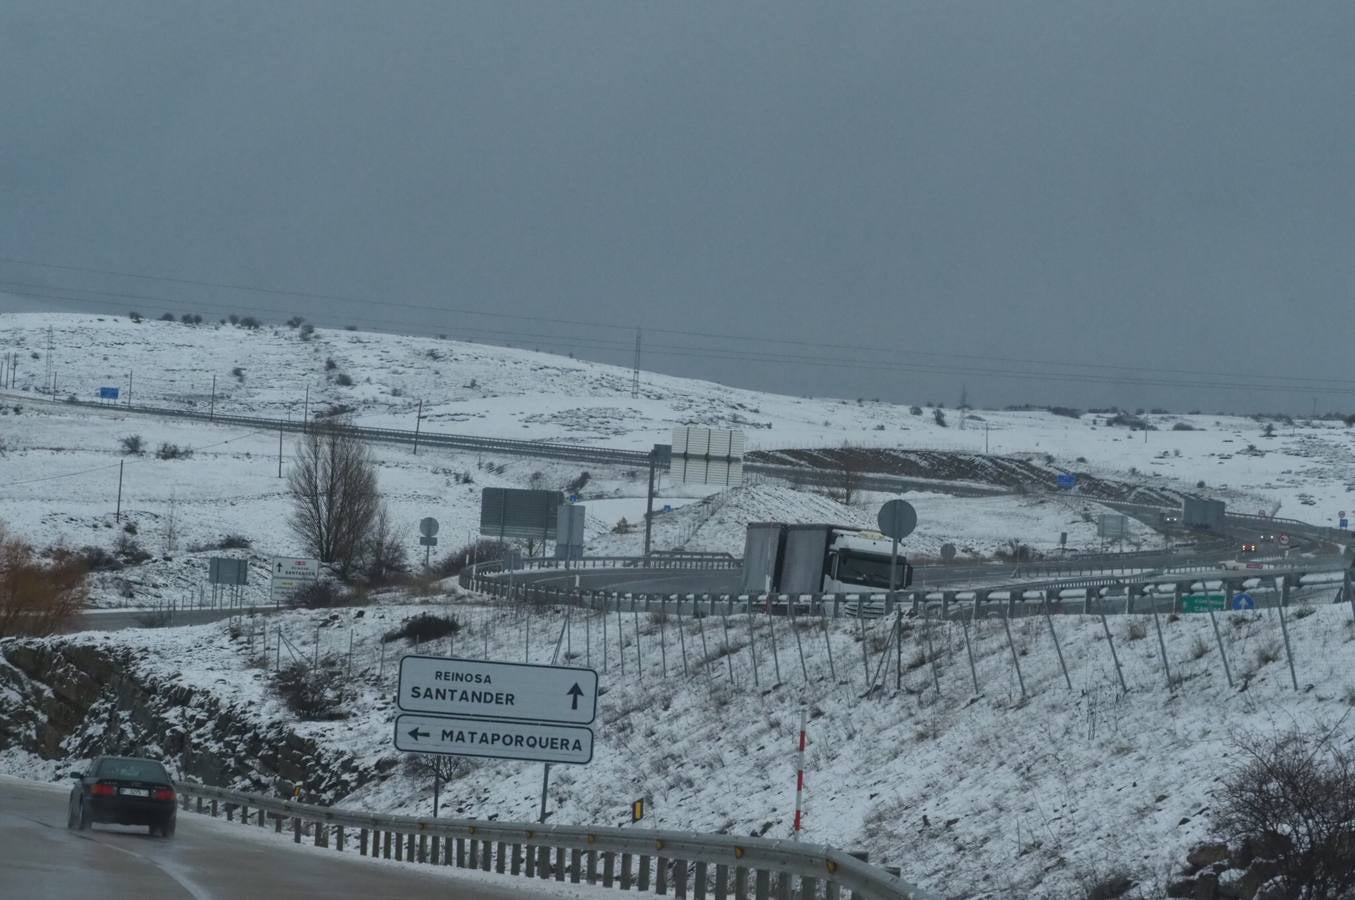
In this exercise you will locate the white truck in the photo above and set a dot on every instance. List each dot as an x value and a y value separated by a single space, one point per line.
818 559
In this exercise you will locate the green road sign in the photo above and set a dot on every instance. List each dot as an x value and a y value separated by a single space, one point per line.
1198 603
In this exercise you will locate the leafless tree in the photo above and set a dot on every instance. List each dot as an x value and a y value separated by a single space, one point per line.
850 468
385 556
334 495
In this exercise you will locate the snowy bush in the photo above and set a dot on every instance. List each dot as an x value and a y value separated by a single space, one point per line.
173 451
133 444
423 627
313 694
317 595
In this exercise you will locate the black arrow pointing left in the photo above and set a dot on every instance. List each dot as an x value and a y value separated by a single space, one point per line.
416 733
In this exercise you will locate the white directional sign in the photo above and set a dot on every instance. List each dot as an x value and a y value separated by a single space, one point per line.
289 574
443 686
467 736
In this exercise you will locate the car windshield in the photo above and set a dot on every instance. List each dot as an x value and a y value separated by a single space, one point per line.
132 770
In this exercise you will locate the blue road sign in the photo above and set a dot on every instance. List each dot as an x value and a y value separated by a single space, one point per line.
667 508
1344 523
1067 481
108 393
1244 601
573 498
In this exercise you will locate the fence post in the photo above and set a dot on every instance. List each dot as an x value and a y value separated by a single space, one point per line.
1115 657
1161 641
1284 628
1055 635
1006 624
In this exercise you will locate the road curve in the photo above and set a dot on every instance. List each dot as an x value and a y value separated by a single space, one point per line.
209 859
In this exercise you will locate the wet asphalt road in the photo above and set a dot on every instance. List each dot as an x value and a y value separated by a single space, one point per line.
40 859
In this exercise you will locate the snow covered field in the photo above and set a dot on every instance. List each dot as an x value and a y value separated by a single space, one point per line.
60 465
985 796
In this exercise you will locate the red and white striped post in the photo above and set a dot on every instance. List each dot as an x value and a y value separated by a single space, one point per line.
800 778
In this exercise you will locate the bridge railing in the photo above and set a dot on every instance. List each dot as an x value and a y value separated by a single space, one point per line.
627 859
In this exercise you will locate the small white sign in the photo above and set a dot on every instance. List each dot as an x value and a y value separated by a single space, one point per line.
464 736
446 686
289 574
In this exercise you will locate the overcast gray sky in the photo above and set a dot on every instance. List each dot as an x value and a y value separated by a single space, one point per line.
933 189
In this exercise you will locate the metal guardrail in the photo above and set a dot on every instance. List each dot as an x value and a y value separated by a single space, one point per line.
1100 594
706 865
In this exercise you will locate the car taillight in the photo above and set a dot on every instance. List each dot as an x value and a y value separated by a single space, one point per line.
102 790
163 794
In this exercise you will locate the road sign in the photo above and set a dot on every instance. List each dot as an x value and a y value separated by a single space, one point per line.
428 541
1284 540
428 526
1344 523
573 498
667 507
1113 526
291 574
224 570
897 519
108 393
519 512
465 687
706 456
1066 481
1244 601
1198 603
470 736
947 552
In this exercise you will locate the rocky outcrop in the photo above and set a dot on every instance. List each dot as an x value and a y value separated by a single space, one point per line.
64 699
1215 871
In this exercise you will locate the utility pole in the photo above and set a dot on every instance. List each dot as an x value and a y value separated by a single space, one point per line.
279 451
635 369
117 516
211 409
418 417
649 500
129 388
306 410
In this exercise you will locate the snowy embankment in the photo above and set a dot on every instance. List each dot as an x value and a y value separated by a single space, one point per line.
989 796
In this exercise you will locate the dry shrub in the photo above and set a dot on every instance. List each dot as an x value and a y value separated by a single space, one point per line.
1295 796
37 597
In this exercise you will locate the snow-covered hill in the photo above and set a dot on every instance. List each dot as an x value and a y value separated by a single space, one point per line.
994 796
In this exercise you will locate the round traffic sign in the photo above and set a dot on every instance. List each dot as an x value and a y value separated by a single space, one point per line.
1244 601
947 552
1284 540
897 519
428 526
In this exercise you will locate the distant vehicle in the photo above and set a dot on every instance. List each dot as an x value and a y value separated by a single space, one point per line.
123 791
1248 548
1267 538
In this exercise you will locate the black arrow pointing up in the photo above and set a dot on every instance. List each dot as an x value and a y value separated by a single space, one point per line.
575 692
416 733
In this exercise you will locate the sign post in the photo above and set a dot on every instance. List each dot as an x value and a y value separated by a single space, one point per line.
497 710
896 519
428 530
290 575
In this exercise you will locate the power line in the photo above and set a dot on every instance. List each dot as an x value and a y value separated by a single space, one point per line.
1297 384
746 338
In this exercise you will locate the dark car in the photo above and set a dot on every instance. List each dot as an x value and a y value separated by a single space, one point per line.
123 791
